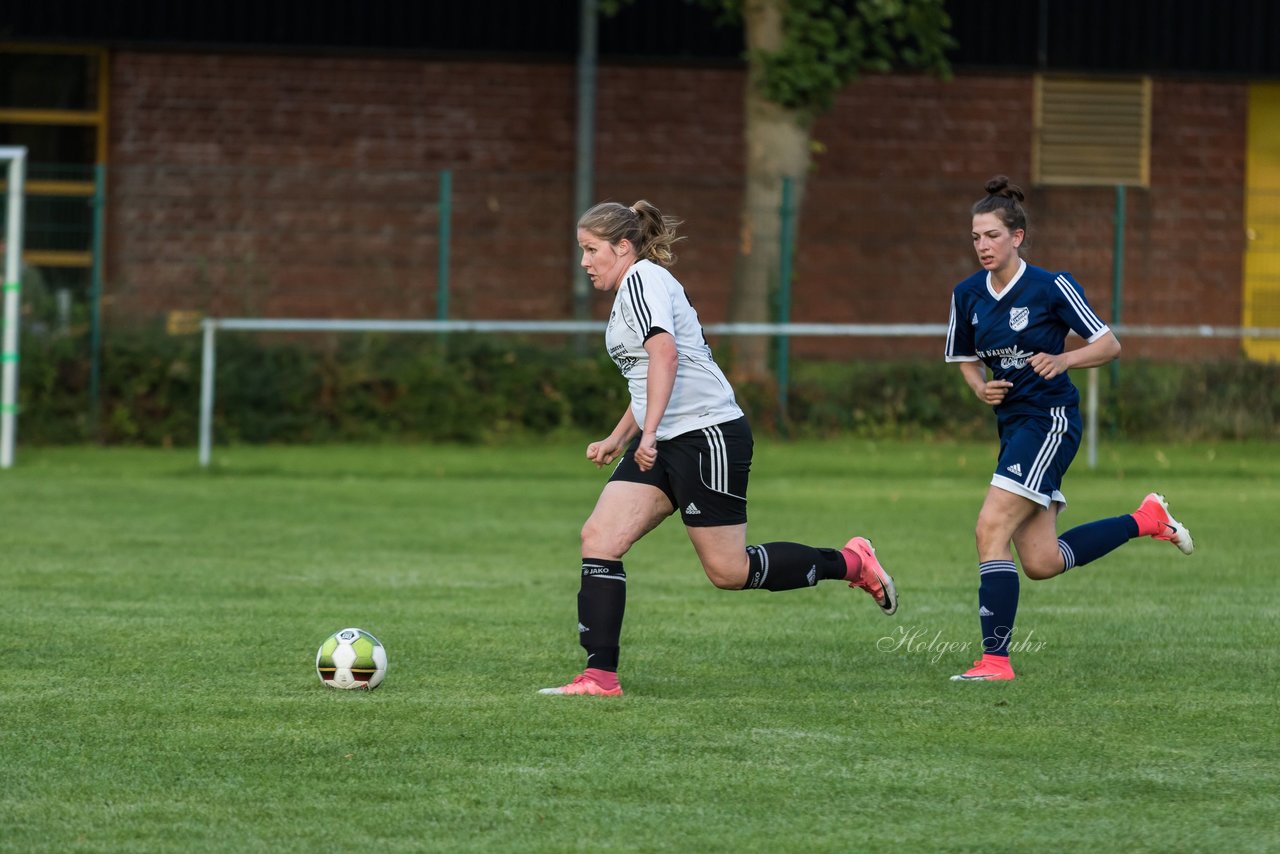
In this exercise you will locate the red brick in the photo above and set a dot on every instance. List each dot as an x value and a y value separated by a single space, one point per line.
308 186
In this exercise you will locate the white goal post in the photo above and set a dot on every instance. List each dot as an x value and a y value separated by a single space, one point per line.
211 325
16 173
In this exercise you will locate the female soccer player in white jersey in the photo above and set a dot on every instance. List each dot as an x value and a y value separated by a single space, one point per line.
1013 319
684 445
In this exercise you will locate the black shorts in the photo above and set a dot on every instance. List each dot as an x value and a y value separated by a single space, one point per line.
703 472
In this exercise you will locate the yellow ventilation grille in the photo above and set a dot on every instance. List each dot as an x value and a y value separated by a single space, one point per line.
1092 132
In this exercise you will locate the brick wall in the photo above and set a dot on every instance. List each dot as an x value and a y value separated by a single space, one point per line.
308 186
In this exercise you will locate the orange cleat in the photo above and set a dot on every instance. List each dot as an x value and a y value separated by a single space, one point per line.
989 668
1156 509
872 577
584 685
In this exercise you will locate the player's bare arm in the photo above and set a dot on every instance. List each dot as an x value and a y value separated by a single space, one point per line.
990 392
608 449
663 360
1092 355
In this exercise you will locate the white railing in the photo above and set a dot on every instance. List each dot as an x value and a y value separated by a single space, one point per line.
211 326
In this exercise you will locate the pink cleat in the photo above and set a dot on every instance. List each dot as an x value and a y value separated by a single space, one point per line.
1156 512
584 685
871 577
989 668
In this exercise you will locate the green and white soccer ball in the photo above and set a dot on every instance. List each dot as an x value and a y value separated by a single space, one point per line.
351 658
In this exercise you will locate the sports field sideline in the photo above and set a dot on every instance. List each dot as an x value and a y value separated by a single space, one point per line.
162 622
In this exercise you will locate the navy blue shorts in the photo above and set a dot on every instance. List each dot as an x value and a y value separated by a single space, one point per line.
703 473
1035 450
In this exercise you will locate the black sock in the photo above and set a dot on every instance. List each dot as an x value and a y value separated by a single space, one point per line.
602 599
788 566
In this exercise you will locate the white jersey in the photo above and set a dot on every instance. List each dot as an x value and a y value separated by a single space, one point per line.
649 301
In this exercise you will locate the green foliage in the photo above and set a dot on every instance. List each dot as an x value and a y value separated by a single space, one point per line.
830 44
1232 399
1228 399
53 389
340 388
884 399
487 388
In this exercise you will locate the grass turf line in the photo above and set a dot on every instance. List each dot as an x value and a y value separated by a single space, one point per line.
161 625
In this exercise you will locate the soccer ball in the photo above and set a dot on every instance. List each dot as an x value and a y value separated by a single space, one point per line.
351 658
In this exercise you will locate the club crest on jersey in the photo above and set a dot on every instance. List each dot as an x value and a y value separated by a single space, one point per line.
1018 318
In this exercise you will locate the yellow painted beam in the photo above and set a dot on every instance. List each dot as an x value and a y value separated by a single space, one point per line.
54 188
103 89
56 258
24 47
83 118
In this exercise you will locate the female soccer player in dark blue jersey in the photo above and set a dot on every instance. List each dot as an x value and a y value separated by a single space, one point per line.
682 444
1012 318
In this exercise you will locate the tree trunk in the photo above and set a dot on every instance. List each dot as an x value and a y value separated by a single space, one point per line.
777 141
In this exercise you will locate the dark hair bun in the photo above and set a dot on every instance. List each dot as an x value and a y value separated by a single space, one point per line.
1000 186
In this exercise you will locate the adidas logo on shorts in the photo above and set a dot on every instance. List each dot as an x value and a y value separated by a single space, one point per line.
1016 468
692 510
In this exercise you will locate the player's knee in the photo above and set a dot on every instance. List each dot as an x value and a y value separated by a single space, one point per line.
1042 570
724 581
726 576
989 536
599 542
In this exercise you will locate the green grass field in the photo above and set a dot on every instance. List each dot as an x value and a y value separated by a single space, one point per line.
161 623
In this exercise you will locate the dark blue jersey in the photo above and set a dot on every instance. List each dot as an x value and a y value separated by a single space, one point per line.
1032 315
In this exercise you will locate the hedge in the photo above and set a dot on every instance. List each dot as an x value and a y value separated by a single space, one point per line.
483 388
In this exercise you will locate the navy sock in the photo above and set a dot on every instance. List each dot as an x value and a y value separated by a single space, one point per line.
788 566
997 604
1088 542
602 600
